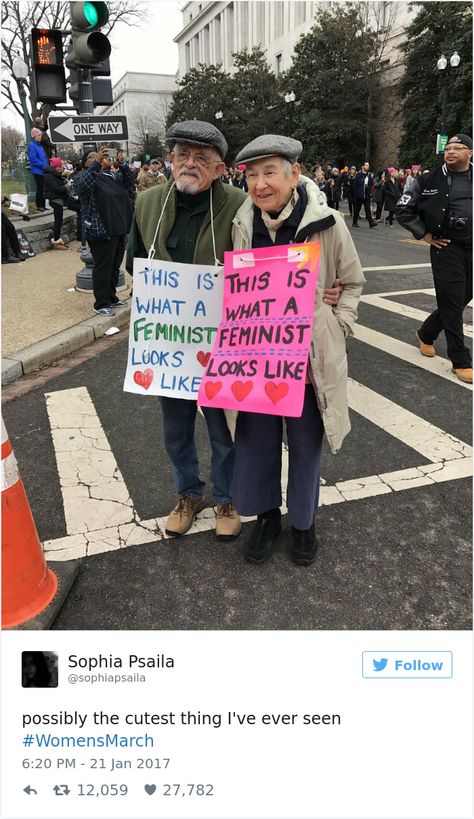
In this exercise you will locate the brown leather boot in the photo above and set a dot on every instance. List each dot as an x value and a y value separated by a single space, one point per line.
426 349
228 524
182 517
463 373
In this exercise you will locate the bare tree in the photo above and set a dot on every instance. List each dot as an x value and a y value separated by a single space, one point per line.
18 18
11 139
149 124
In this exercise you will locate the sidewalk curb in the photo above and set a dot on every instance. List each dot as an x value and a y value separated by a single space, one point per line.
50 349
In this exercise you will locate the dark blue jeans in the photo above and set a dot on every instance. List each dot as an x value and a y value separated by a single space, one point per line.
179 418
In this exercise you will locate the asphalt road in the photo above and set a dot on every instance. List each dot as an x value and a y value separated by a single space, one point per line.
395 553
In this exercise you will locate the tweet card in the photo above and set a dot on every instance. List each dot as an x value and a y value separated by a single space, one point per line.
236 724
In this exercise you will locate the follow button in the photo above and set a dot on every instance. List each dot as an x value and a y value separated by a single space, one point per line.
407 664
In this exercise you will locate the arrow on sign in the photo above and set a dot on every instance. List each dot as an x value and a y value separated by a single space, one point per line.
66 129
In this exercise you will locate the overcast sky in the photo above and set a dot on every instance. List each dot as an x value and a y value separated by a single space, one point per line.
149 48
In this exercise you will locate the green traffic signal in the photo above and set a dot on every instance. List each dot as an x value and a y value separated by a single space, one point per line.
90 13
89 48
88 16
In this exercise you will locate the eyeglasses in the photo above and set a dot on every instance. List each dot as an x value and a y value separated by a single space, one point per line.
200 159
456 148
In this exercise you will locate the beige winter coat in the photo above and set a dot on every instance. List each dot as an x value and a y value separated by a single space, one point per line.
339 259
148 179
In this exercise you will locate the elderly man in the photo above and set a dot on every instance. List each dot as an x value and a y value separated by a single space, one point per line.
195 212
285 207
438 209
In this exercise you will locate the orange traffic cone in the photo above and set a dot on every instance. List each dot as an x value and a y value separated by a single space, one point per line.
28 586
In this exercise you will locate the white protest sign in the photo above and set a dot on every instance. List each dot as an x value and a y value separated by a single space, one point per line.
176 310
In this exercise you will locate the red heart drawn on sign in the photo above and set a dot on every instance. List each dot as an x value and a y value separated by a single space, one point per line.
143 379
212 388
241 389
203 358
276 392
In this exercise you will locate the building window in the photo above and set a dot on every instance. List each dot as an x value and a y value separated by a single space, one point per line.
278 16
279 64
217 39
230 30
300 12
244 25
205 46
261 22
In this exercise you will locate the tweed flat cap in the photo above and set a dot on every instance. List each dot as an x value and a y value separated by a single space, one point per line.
270 145
196 132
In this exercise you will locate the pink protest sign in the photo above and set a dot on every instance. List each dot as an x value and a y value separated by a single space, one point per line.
259 359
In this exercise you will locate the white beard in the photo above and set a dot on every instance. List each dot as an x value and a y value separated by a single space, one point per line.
187 184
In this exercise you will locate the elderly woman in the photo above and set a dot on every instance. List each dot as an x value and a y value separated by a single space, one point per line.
285 207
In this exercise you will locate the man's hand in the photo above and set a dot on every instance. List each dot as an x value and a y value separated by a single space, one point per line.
439 243
102 153
331 294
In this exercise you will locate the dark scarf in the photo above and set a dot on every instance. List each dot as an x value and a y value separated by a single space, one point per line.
286 233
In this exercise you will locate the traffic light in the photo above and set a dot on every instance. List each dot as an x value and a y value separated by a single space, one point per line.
89 47
47 61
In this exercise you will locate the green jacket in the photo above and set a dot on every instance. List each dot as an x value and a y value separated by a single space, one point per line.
226 200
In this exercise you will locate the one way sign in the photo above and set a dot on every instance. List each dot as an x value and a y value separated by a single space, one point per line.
87 129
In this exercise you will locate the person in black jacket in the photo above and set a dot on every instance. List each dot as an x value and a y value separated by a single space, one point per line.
107 215
55 189
391 194
438 209
362 189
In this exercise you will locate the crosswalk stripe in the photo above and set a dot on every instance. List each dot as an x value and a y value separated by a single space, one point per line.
396 266
403 309
430 441
94 492
407 352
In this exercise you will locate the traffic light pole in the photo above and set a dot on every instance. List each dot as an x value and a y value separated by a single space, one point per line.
86 103
85 100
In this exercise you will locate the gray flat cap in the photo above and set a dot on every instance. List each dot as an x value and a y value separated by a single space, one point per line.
270 145
196 132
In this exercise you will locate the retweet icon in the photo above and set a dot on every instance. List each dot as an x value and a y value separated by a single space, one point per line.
379 665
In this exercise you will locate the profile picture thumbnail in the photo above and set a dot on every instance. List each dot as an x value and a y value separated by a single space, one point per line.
39 669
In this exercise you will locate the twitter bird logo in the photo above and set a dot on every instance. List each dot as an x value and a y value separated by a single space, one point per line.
379 665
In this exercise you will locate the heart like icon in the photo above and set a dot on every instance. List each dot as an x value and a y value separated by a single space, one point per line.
203 358
143 379
150 789
276 392
240 389
212 388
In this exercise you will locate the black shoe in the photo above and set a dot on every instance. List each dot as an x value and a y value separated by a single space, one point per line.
372 224
266 530
10 260
354 224
41 210
304 547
